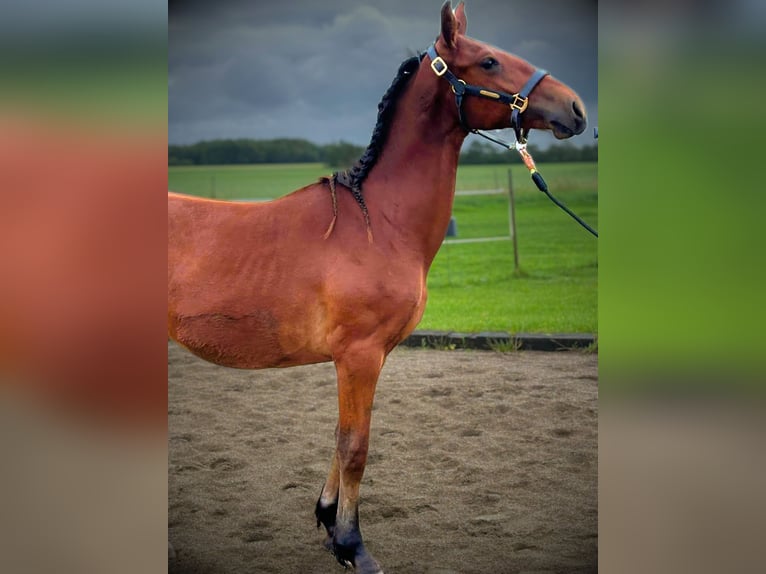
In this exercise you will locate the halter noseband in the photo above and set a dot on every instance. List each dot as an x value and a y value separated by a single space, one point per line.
518 102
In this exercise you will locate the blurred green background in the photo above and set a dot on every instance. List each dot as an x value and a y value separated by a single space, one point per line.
681 266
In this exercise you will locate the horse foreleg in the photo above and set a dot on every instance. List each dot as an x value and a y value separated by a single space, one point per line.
358 370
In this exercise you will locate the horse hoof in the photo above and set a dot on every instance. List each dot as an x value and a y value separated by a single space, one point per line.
366 564
327 545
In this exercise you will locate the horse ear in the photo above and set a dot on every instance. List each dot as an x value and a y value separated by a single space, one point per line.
449 25
460 16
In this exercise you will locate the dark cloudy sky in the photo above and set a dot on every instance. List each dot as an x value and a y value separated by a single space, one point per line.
317 69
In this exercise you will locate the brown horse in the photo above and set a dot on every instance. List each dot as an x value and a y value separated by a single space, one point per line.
329 273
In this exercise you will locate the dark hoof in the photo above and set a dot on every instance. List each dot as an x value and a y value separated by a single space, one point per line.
367 565
326 516
328 545
356 557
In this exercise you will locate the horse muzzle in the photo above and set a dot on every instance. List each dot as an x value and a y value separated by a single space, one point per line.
571 124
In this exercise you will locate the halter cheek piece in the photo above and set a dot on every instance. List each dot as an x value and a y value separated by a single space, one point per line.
518 102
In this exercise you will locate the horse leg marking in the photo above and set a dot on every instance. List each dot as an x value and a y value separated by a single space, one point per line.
327 505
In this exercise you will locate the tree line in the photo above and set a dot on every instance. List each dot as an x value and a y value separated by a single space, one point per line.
484 152
343 154
246 151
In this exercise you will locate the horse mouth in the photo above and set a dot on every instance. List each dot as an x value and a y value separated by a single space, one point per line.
560 131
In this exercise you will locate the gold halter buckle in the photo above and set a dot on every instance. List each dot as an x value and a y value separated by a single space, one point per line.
519 103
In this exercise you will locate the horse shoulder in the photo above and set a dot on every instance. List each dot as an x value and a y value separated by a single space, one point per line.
382 299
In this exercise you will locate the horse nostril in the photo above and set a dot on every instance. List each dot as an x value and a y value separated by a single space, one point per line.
579 117
577 110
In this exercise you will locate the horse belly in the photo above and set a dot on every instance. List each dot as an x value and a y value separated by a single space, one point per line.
249 341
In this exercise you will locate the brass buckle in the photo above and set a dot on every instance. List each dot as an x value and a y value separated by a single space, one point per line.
439 66
515 105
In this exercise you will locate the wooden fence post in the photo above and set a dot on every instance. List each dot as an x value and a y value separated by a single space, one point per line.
512 222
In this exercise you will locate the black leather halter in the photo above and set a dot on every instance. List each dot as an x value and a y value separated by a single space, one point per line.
518 102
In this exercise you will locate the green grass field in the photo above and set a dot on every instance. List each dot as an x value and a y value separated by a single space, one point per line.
474 287
268 181
261 181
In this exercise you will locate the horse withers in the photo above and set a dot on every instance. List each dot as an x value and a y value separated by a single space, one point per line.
336 271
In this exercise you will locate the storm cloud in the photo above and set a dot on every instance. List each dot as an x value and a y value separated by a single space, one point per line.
299 68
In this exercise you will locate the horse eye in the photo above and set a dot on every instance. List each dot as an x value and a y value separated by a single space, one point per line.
489 63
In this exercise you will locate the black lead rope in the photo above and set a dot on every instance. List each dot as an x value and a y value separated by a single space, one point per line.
536 176
544 188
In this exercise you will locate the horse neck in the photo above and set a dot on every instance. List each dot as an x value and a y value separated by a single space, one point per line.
414 178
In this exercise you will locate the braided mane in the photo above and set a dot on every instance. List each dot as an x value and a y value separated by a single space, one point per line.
354 178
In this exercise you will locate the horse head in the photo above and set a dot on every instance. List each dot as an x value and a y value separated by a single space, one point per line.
497 82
